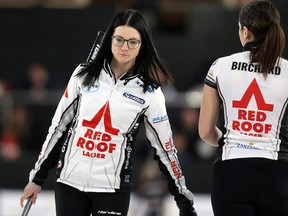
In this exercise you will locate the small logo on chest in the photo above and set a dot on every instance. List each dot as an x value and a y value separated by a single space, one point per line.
92 87
134 98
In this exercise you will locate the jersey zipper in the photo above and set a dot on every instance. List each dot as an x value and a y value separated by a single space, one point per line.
92 159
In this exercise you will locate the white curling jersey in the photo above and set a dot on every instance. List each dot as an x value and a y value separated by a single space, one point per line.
255 108
98 155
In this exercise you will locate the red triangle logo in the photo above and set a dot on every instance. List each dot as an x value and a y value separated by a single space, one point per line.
253 89
103 112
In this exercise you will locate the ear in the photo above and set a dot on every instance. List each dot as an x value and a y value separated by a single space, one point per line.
247 33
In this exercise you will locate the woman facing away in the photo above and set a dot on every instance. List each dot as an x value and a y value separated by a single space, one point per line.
251 166
105 102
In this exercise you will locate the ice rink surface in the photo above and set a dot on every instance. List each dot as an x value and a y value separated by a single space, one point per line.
9 205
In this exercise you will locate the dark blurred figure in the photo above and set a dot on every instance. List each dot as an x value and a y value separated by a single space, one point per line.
9 144
14 134
5 101
151 191
38 81
35 94
14 129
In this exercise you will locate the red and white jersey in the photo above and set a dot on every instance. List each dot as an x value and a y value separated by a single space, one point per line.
98 155
255 108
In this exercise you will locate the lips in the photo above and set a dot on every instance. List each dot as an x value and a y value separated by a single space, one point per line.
123 54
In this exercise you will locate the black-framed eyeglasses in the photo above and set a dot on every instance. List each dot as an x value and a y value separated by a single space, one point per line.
131 43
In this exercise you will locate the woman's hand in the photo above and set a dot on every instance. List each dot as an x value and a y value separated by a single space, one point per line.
31 189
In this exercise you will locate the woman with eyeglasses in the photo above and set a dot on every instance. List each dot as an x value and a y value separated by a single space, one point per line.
251 166
109 99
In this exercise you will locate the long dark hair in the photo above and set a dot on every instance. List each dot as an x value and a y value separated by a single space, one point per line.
262 18
148 63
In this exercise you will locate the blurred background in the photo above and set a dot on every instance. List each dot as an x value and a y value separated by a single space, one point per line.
42 41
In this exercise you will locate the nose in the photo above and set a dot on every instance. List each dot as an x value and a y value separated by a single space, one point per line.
125 45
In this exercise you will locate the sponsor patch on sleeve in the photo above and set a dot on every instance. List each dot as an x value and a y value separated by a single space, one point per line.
160 118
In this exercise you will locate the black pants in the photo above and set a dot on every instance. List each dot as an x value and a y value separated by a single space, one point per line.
250 187
70 201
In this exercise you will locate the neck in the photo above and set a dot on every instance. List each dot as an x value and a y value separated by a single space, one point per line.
119 69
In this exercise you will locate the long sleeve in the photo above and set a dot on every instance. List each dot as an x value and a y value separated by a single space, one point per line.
158 131
63 116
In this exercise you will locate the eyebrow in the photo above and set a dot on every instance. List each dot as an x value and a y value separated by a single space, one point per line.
127 39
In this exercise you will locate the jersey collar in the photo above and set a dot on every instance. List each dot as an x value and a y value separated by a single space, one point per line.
131 74
249 46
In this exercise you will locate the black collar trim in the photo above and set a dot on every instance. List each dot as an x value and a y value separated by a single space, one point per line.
107 68
249 46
